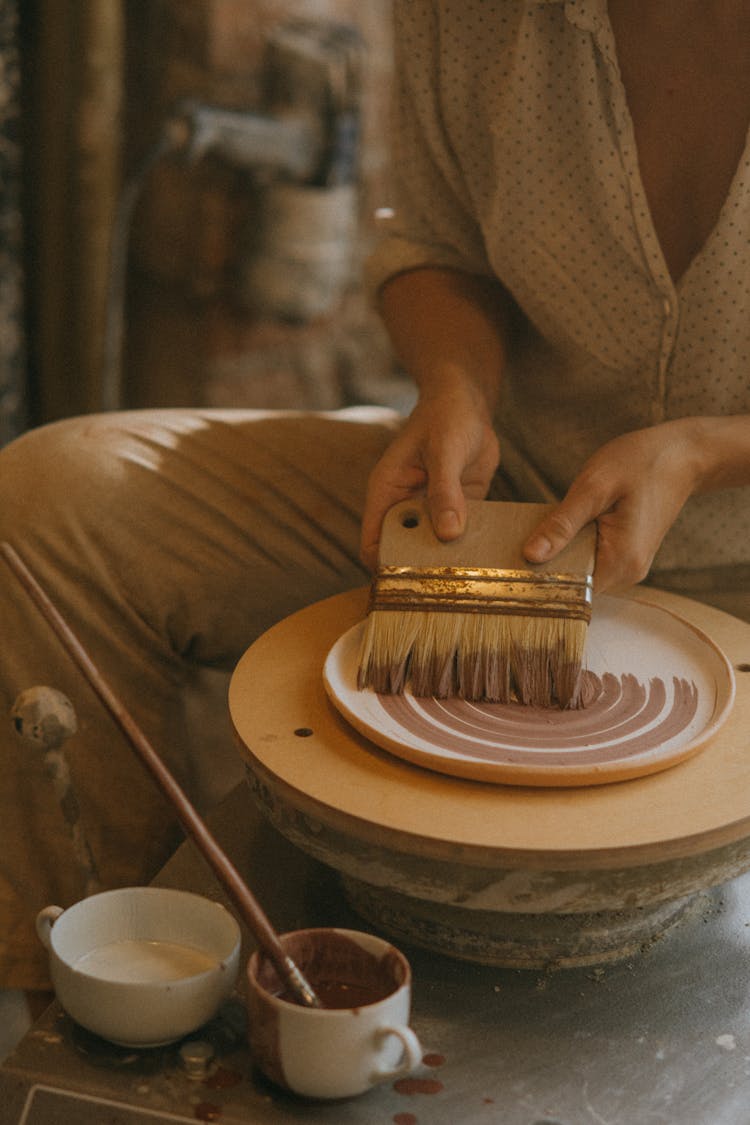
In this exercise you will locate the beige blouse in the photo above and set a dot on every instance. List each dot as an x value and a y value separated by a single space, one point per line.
515 156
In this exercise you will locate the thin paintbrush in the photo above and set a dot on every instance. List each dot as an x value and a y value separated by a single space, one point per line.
246 903
471 617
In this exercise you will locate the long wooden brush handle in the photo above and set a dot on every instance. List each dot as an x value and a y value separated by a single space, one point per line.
246 903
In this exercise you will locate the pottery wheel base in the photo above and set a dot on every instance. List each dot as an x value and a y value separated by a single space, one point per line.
514 941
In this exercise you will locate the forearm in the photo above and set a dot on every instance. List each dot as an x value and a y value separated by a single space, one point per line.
449 331
721 448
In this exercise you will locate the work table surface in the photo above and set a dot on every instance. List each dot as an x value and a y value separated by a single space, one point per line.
661 1039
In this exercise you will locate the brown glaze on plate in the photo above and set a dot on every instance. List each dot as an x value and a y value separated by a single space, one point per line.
656 689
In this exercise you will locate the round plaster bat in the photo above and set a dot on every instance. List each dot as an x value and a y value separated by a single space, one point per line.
44 717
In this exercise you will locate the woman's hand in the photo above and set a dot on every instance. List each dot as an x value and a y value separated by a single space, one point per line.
635 486
447 450
448 329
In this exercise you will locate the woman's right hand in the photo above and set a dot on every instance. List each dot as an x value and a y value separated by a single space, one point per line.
448 330
447 451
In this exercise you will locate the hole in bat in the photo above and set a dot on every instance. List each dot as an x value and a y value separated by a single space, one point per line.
410 519
745 667
303 732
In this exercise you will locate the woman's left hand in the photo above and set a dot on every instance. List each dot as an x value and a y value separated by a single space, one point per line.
634 487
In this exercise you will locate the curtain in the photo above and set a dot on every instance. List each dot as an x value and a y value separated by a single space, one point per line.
13 369
75 58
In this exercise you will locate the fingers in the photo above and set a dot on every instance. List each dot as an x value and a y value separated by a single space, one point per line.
381 495
397 476
560 526
446 502
445 457
625 542
632 518
616 566
368 545
456 470
628 538
549 538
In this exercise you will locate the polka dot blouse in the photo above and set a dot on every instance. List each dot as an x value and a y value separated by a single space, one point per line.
514 156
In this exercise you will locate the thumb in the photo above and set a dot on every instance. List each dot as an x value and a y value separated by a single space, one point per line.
447 507
553 533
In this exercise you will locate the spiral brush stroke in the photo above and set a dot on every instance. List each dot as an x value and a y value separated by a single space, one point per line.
622 718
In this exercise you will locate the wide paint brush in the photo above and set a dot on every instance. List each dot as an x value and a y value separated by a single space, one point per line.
196 828
471 617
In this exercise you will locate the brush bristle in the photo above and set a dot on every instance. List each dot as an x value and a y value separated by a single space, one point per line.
386 646
535 660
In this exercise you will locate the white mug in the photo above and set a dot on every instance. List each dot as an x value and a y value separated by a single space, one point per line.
141 966
360 1036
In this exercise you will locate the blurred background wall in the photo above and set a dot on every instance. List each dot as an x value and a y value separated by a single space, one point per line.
136 250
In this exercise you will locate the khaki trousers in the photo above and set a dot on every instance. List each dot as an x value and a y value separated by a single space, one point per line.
170 540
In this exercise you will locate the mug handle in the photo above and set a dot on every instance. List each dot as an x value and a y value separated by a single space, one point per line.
410 1059
45 920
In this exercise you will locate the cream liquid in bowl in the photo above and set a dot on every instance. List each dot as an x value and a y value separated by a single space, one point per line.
149 962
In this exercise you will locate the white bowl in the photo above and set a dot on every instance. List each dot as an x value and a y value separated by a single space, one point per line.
141 966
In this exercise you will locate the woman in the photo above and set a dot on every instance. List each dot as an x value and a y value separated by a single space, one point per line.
566 278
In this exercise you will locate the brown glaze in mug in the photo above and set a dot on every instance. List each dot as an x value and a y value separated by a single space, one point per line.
357 1039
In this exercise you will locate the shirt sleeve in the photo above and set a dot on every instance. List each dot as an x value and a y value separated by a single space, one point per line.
431 222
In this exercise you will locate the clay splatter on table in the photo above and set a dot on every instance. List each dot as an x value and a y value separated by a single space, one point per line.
208 1111
222 1079
411 1086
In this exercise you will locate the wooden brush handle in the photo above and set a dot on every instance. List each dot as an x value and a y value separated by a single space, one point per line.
494 535
196 828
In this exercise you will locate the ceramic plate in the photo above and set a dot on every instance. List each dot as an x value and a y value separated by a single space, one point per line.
659 689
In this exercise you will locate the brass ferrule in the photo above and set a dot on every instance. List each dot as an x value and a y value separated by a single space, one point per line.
482 590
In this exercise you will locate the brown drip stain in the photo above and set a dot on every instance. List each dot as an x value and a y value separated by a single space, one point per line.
405 1119
434 1059
222 1079
411 1086
207 1111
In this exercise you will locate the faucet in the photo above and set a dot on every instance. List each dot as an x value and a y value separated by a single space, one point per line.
305 147
289 143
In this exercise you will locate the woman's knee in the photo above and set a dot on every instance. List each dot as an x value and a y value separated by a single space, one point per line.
45 472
